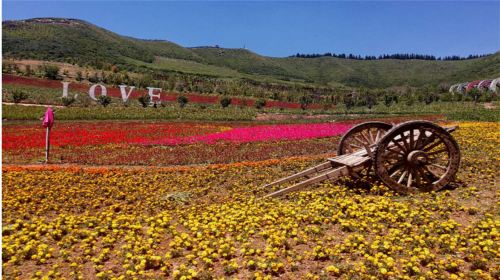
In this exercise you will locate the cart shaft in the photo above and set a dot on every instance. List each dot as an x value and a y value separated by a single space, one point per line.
316 169
332 175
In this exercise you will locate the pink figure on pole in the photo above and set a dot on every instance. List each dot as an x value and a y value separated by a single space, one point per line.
48 122
48 119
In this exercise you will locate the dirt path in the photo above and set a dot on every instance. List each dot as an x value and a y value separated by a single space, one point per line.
489 106
280 117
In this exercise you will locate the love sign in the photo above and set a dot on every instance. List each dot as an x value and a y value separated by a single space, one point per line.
154 93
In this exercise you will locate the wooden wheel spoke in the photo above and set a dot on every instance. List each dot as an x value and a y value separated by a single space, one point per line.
424 174
426 140
360 141
392 158
395 169
435 175
439 166
420 137
370 135
377 137
395 152
408 183
432 145
349 148
403 149
394 173
367 141
405 143
402 177
356 146
411 139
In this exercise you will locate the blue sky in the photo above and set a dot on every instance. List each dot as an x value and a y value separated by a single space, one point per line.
285 28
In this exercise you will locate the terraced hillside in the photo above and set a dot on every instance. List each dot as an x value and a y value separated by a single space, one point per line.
79 42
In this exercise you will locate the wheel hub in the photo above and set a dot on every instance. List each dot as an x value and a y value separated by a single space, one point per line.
417 157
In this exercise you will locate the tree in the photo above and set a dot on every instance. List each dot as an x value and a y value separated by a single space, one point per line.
67 101
182 100
104 100
429 98
79 76
410 99
28 71
144 100
50 71
475 94
225 101
487 96
19 95
260 103
334 100
305 100
388 99
94 78
370 101
348 101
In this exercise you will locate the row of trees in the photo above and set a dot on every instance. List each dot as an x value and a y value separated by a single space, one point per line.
410 97
144 100
400 56
181 82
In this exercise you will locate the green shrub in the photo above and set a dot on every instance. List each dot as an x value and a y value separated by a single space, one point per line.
50 72
104 100
475 94
225 101
144 100
79 76
305 100
348 101
19 95
67 101
388 99
261 103
182 100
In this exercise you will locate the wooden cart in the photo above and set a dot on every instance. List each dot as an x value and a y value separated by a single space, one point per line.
410 157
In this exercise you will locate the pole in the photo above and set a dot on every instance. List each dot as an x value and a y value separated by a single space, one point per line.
47 145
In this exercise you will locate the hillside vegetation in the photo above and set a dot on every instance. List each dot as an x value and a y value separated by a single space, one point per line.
79 42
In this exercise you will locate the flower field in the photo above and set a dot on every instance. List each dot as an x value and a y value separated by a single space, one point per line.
261 133
169 143
166 143
207 222
98 133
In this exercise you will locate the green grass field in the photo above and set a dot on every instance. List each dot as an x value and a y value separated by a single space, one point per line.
452 111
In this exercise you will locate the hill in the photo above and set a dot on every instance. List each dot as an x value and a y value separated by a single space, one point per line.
79 42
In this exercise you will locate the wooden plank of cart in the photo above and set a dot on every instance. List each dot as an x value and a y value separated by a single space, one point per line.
414 156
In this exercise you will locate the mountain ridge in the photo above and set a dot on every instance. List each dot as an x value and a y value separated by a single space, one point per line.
79 42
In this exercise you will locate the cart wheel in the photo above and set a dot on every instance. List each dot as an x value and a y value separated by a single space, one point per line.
417 156
361 136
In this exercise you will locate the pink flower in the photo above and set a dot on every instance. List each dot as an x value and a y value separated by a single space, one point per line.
261 133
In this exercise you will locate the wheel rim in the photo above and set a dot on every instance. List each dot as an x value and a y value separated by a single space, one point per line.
417 156
361 136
